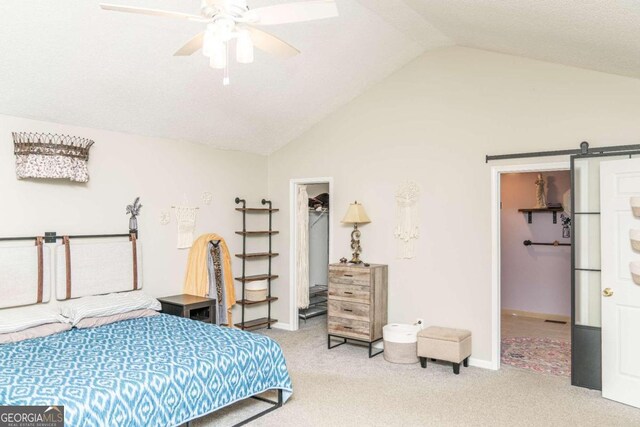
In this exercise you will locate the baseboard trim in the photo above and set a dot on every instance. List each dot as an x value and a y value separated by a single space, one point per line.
484 364
283 326
543 316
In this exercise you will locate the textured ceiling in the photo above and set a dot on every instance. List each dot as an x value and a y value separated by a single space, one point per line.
601 35
70 62
67 61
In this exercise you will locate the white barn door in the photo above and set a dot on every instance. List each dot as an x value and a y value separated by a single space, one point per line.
619 181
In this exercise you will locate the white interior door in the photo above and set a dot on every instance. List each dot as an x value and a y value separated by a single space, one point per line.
619 181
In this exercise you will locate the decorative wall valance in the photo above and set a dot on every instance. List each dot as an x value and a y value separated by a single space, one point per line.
51 156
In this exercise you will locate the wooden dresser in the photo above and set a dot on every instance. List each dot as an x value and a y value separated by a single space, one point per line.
357 303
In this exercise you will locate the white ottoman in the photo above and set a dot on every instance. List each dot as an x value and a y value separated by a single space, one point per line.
438 343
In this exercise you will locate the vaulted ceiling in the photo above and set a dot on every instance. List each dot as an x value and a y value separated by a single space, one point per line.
67 61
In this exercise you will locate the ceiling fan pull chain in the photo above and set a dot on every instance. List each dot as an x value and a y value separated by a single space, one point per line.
225 79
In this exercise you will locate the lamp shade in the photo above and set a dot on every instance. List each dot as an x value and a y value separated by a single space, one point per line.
356 215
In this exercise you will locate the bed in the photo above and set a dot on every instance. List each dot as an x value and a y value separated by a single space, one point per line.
154 371
160 370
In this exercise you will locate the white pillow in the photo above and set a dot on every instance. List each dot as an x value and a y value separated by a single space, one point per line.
21 318
106 305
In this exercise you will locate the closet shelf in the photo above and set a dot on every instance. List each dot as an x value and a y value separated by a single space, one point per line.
531 211
256 323
256 277
256 233
258 255
249 302
257 210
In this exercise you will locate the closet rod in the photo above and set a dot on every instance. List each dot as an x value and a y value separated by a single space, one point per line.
554 243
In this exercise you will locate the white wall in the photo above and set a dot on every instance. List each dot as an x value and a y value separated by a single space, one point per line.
434 121
535 279
123 166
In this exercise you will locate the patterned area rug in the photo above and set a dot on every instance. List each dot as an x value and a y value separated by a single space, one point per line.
538 354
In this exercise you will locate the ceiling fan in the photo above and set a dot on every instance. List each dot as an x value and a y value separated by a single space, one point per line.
227 20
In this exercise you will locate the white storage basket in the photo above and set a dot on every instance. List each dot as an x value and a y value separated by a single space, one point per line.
256 291
634 268
634 236
400 343
635 206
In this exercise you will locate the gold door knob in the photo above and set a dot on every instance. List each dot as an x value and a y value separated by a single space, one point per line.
607 292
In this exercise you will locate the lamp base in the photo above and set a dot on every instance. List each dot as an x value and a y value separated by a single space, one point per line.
355 245
355 260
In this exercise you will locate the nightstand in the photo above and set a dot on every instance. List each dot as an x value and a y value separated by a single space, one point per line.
190 306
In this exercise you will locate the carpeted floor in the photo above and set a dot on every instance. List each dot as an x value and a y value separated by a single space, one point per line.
342 387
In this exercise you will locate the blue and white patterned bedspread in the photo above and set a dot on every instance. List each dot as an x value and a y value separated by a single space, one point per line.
155 371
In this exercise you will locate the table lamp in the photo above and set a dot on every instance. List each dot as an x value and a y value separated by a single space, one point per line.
356 215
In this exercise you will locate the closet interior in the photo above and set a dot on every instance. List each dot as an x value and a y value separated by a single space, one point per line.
318 251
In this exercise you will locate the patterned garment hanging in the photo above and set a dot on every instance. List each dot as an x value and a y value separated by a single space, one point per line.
216 282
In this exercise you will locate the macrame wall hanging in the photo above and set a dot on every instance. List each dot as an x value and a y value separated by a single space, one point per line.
186 219
51 156
407 229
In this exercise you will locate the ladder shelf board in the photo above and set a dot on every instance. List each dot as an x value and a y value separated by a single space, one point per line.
258 255
249 302
256 210
256 323
257 277
256 233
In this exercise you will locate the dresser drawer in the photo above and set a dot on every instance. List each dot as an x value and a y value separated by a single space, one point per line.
349 293
349 310
350 276
349 328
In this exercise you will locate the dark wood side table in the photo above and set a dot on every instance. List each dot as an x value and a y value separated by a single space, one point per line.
190 306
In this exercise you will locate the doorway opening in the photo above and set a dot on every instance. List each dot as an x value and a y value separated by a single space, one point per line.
311 236
535 271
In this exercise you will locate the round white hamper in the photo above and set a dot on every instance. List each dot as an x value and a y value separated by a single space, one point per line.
256 291
400 343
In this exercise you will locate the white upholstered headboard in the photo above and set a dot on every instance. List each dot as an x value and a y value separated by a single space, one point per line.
25 275
97 268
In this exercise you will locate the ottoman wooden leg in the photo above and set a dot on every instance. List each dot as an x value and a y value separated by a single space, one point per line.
423 362
456 368
465 362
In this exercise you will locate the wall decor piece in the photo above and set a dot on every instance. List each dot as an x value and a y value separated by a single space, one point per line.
186 218
207 197
407 228
541 197
41 155
134 210
165 217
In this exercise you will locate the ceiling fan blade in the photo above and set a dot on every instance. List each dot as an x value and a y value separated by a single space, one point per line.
152 12
295 12
270 43
192 46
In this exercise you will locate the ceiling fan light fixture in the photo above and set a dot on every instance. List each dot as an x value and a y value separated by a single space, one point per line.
244 48
208 41
218 55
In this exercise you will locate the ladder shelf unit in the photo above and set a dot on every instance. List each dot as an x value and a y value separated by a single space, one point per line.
248 257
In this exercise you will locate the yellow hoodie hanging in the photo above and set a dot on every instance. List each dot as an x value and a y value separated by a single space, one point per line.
196 279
